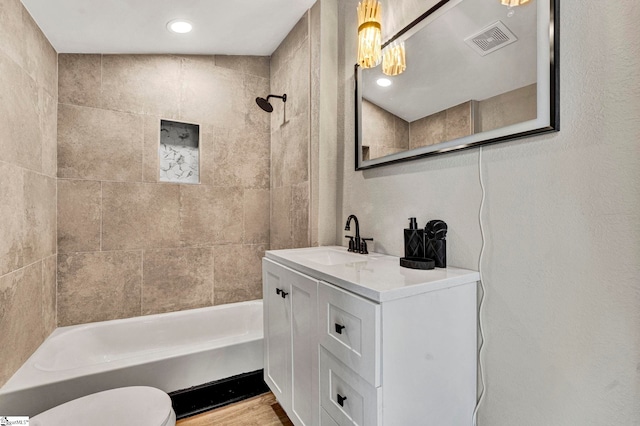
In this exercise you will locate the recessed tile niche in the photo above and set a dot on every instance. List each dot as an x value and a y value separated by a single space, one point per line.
179 152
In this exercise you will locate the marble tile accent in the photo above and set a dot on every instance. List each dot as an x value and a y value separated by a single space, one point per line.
238 273
40 217
281 232
99 144
210 215
256 216
21 141
49 293
21 322
179 164
79 79
241 159
142 84
98 286
12 210
177 279
140 215
300 214
79 215
209 94
253 65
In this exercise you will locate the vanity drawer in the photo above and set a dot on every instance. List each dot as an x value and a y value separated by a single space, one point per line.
349 328
345 396
326 420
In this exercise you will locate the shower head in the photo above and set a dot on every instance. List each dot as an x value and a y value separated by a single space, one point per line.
265 105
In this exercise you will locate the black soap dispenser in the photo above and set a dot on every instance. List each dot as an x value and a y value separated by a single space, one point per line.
435 243
414 257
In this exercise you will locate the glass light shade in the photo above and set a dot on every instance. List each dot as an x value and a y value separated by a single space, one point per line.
393 59
512 3
369 33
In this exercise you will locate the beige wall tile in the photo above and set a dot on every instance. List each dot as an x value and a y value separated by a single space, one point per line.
508 108
21 322
99 144
281 232
295 138
241 159
296 37
210 215
40 217
253 65
428 130
238 273
12 31
459 121
140 215
79 215
142 84
256 216
256 119
21 141
151 158
98 286
79 79
207 154
48 107
300 214
12 210
210 94
41 59
177 279
49 293
291 77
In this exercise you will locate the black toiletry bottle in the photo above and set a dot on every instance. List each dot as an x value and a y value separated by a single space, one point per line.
413 240
435 243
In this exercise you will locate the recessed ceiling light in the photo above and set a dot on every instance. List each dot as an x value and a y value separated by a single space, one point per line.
179 26
384 82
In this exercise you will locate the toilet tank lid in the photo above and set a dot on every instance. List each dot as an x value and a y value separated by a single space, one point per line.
133 405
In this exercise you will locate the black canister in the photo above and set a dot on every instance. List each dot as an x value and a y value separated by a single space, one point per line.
435 243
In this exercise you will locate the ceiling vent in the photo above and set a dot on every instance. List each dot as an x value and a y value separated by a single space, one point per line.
491 38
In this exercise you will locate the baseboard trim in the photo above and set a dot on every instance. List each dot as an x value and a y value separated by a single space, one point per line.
201 398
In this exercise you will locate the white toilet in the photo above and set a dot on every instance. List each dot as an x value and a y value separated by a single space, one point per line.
130 406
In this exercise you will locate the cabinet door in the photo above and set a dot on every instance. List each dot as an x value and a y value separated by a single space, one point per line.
304 308
277 331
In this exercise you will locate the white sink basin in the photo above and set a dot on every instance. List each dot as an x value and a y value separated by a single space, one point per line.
330 256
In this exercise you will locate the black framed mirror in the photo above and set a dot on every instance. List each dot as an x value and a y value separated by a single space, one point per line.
477 72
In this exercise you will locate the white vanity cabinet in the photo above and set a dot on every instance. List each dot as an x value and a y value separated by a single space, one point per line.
393 346
291 347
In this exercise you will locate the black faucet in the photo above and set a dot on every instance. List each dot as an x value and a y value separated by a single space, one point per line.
356 244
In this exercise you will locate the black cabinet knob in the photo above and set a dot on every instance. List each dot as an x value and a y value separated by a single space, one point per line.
283 293
278 291
341 400
339 328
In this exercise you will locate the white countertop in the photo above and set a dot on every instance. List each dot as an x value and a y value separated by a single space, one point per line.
377 277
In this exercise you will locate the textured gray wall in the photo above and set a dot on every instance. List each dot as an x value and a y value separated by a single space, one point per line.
561 217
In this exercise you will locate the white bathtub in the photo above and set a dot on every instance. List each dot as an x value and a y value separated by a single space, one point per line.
168 351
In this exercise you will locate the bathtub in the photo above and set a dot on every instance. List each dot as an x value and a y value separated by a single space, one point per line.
168 351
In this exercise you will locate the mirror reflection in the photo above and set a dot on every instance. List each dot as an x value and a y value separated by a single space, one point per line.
471 68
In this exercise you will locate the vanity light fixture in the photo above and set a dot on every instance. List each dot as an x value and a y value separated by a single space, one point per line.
393 59
369 33
179 26
512 3
383 82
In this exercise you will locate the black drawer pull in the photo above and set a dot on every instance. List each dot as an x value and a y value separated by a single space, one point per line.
283 293
278 291
339 328
341 400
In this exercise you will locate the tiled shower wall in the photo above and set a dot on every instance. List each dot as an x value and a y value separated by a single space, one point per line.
130 245
28 76
290 140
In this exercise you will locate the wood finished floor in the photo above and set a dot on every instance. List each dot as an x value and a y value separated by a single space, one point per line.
262 410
